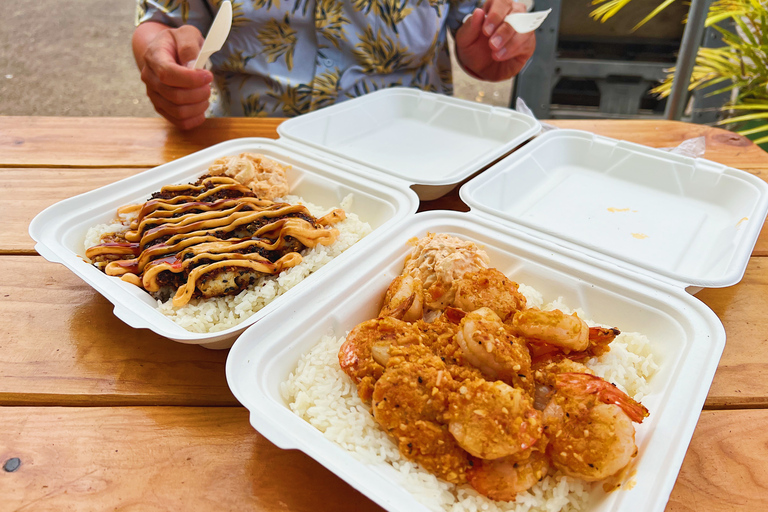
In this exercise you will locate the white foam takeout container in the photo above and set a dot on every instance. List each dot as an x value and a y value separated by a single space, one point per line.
542 215
323 170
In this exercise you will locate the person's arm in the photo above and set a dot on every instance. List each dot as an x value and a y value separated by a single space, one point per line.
178 93
490 49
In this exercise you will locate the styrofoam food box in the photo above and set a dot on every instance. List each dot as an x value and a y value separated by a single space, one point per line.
431 141
322 176
636 296
60 230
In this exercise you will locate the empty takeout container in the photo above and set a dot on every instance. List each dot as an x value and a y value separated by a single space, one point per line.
374 147
561 215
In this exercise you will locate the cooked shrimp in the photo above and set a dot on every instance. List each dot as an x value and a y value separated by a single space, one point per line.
492 419
502 479
567 332
588 423
356 355
404 299
488 288
409 402
487 344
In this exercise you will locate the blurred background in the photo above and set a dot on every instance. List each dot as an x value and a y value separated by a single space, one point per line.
74 59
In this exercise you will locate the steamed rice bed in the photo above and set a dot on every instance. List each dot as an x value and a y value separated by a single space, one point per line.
220 313
319 392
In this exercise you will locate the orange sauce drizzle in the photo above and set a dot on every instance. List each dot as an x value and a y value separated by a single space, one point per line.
187 234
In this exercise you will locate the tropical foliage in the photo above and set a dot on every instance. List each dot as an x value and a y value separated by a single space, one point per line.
741 65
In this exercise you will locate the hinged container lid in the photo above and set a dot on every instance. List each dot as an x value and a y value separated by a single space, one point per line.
428 140
690 222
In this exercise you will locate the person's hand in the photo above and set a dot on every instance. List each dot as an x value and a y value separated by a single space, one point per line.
179 93
489 48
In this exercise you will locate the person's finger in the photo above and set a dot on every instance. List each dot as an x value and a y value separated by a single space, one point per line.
189 41
170 73
496 11
521 46
177 95
185 123
501 38
162 59
178 111
471 29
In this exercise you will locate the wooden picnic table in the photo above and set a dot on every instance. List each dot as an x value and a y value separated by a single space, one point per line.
96 415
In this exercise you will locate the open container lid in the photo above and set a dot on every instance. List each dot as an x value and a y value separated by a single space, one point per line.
687 221
429 140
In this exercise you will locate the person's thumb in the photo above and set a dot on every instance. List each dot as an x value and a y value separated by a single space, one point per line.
189 40
471 30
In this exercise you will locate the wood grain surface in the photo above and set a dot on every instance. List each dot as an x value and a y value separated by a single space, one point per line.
114 141
203 458
61 344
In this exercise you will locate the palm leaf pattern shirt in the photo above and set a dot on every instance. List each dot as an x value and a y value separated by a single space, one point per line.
288 57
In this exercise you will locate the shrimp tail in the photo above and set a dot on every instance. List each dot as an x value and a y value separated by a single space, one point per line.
400 309
600 338
585 384
454 315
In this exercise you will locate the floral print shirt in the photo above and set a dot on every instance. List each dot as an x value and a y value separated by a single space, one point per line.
287 57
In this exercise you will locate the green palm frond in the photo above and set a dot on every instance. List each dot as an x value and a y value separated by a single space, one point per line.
653 13
279 40
740 65
379 54
607 9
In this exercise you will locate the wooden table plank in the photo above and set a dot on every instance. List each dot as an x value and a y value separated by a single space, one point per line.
147 142
725 469
180 458
742 375
26 192
114 141
157 458
60 344
83 354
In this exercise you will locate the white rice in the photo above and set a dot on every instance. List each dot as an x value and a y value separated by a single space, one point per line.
323 395
220 313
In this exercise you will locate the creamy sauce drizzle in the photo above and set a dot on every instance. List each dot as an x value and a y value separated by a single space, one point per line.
195 233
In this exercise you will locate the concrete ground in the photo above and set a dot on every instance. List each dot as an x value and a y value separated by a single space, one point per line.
74 59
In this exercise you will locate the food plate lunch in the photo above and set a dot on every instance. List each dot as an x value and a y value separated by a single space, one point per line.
178 272
680 343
